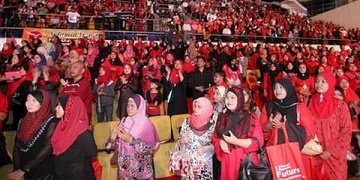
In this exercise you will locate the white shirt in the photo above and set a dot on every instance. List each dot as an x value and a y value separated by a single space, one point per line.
73 17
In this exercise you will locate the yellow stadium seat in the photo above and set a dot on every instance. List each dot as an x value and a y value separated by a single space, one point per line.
176 122
161 160
10 141
5 170
102 133
109 171
163 127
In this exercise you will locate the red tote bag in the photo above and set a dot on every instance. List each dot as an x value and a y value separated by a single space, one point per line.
285 159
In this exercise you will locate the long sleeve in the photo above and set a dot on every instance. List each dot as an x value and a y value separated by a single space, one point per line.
263 122
307 121
46 151
344 134
87 144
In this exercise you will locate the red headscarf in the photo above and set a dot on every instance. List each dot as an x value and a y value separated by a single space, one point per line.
106 78
174 75
323 105
199 124
33 121
74 122
349 94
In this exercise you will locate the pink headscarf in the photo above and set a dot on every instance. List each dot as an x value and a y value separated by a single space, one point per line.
139 126
199 124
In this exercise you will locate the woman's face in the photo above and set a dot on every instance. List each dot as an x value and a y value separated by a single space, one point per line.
37 58
197 108
15 59
127 69
279 91
302 69
177 65
338 95
101 71
131 108
290 66
59 111
112 55
231 100
344 84
339 72
66 49
272 67
321 85
217 95
32 105
22 71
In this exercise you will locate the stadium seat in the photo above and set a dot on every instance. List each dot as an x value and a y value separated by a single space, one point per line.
102 133
176 122
163 127
161 160
10 141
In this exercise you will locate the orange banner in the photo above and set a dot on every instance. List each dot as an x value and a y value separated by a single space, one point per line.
63 34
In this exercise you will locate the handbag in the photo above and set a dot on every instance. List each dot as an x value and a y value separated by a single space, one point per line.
285 159
312 148
179 162
250 171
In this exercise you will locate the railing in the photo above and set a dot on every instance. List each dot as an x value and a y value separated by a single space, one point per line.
171 37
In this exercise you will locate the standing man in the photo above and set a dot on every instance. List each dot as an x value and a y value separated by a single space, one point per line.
73 18
201 79
79 86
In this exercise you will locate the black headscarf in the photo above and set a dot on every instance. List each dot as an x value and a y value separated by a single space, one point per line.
273 74
63 100
303 76
288 107
237 121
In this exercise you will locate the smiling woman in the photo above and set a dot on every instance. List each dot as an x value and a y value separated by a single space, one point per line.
32 151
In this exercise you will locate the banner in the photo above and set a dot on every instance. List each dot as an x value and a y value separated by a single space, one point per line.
63 34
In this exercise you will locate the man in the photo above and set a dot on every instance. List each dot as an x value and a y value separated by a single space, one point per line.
219 80
73 18
200 80
79 86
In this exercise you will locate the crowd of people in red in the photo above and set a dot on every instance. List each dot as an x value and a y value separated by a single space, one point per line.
240 18
180 72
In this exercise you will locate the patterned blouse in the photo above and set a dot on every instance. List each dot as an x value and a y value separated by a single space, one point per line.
201 165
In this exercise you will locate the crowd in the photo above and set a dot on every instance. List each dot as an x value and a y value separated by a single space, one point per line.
240 97
239 18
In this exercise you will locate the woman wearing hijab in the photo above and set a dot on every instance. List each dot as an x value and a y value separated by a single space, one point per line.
150 72
105 94
73 142
128 83
333 127
270 77
233 72
32 156
136 140
234 134
195 140
304 83
18 89
176 86
219 101
295 116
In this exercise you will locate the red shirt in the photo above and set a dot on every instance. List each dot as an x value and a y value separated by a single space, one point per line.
4 106
82 88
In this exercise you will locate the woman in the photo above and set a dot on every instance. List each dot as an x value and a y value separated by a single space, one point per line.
104 91
136 139
270 78
295 116
150 72
234 134
176 85
127 84
195 140
233 72
32 156
18 89
304 83
219 100
73 142
333 127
